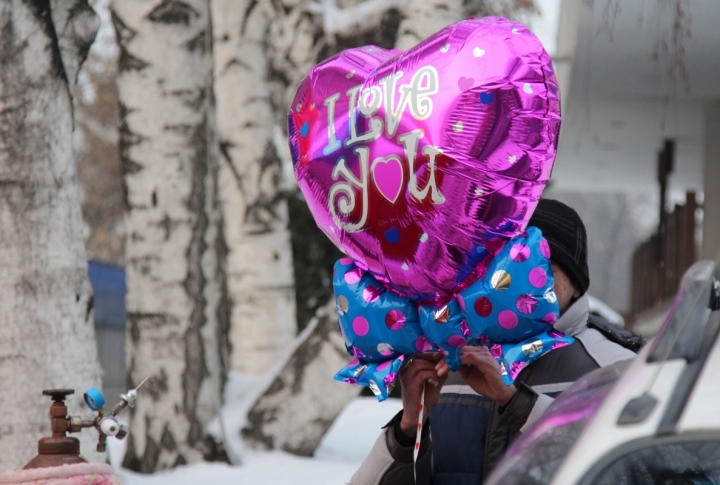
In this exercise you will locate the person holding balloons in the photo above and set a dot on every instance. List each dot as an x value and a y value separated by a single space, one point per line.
474 416
426 168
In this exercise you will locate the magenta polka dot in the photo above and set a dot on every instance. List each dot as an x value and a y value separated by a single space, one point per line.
371 293
559 344
496 351
555 334
519 252
461 302
457 341
515 369
384 365
353 276
550 318
360 326
354 362
526 304
422 344
506 319
350 380
545 248
395 319
538 277
464 328
346 261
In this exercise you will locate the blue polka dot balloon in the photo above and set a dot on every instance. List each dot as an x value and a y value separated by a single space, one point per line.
511 309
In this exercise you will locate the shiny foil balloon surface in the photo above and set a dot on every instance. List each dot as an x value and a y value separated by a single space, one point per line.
511 307
420 164
511 310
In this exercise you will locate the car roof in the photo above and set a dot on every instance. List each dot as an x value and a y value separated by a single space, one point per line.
670 389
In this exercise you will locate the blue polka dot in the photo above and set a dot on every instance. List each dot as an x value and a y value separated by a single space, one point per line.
392 235
304 129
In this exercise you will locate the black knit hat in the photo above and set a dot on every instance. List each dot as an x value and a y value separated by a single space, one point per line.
565 232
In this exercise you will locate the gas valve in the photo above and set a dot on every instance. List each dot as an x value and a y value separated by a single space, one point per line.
60 449
107 424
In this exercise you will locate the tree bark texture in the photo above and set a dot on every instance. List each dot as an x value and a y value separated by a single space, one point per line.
259 259
425 17
303 400
176 299
95 140
47 338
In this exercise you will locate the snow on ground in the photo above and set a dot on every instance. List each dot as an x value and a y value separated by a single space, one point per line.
352 435
273 468
340 453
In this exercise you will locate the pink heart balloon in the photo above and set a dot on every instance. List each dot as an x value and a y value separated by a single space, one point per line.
419 165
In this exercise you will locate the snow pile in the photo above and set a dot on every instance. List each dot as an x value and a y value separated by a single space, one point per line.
355 431
340 453
273 468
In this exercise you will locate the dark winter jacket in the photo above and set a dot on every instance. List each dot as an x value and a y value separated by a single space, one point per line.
470 433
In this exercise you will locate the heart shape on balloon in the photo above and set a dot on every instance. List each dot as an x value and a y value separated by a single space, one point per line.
388 177
419 164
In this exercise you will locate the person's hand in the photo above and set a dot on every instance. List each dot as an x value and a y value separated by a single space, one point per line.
482 373
421 369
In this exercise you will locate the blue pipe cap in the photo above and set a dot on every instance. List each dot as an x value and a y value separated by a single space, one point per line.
94 399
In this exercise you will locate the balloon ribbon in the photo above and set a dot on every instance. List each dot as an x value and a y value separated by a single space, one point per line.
418 436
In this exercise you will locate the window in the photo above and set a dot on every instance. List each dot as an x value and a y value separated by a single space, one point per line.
537 454
689 463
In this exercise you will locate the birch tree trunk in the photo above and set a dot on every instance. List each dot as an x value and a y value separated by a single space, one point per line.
259 260
425 17
47 338
174 249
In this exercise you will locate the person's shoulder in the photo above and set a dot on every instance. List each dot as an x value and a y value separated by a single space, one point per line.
616 334
608 344
561 365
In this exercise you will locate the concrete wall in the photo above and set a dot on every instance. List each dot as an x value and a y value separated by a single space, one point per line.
610 145
711 212
615 228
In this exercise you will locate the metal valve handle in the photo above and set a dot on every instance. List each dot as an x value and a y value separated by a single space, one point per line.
106 424
61 449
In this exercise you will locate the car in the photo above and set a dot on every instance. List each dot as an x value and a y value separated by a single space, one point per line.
654 419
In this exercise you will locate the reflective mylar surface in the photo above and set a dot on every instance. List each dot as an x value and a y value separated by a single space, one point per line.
420 164
511 310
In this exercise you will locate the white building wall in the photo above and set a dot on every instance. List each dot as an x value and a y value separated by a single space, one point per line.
617 111
711 219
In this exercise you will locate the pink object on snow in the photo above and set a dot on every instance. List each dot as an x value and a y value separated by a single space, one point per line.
77 474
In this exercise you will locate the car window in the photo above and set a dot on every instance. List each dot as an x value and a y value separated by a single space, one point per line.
693 463
538 453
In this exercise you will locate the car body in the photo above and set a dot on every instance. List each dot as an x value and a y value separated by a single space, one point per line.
654 419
